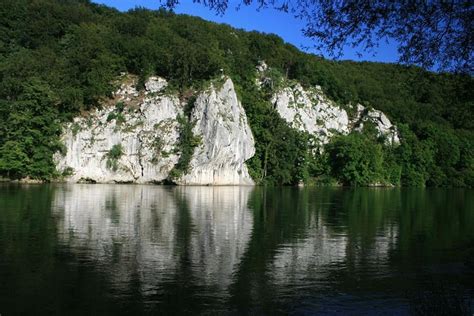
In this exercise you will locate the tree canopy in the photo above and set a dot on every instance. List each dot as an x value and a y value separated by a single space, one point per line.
431 34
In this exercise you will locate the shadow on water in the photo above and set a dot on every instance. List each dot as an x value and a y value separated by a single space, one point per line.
116 249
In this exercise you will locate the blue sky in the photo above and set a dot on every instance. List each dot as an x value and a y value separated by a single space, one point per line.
267 20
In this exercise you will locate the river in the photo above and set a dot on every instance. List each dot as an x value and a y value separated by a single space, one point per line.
80 249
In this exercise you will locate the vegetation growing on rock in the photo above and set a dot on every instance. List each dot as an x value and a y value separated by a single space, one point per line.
113 156
187 142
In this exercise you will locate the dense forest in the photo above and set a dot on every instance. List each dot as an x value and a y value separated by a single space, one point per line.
60 58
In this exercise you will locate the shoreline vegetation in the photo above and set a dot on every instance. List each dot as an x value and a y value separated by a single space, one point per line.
61 59
28 180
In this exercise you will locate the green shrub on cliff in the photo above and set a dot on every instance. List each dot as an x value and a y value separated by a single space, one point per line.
113 156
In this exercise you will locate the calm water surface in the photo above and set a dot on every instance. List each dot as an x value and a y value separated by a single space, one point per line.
139 249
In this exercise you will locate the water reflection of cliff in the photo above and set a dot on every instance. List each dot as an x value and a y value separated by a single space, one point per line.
307 241
345 233
318 247
261 250
148 234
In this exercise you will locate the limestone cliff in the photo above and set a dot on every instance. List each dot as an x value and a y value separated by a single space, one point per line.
312 111
136 137
227 140
144 127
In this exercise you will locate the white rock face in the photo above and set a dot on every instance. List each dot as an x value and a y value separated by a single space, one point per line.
155 84
227 140
311 111
145 125
383 125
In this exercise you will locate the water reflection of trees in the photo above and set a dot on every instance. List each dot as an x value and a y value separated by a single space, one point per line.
291 242
310 243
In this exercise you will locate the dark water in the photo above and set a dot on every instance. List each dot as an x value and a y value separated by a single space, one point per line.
138 249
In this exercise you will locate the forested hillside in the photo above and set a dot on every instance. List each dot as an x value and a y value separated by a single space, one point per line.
60 59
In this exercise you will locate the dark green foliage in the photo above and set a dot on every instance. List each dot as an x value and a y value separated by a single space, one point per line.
356 159
158 149
391 169
117 115
113 157
58 58
434 35
30 133
186 144
281 151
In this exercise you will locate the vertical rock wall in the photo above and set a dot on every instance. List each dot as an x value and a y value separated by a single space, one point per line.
143 128
226 139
